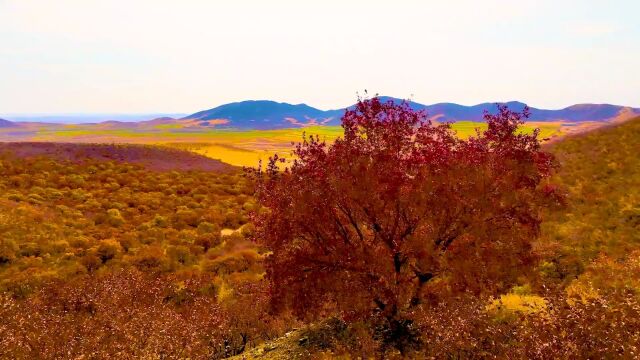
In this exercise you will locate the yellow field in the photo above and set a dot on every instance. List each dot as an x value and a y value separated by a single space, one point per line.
247 148
236 147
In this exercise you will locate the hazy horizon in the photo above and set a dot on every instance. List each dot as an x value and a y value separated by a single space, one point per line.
163 57
136 116
81 118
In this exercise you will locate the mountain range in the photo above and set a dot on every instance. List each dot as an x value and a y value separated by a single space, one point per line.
266 114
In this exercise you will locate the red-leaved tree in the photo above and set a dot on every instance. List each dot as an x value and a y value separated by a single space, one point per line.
401 212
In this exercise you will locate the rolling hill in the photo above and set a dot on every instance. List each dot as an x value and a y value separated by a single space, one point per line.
155 158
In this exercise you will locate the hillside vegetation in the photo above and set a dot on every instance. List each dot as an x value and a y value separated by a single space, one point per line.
107 258
600 229
61 219
123 257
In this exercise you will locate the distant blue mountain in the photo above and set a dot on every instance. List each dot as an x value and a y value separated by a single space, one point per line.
265 114
7 124
582 112
455 112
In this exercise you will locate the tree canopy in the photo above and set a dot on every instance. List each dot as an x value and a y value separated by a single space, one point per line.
400 212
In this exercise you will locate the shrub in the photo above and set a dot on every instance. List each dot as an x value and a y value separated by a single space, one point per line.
8 250
114 218
108 249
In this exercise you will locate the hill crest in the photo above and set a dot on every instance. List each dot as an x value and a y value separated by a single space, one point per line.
155 158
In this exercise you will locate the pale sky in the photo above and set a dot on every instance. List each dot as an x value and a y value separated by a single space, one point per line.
137 56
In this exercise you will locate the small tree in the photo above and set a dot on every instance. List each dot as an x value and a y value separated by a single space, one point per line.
399 212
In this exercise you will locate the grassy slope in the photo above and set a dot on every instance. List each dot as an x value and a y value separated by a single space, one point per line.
600 172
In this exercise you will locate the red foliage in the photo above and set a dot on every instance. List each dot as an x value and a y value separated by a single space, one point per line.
121 315
132 315
401 211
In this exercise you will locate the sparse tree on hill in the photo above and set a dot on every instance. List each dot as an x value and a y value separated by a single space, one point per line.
400 212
